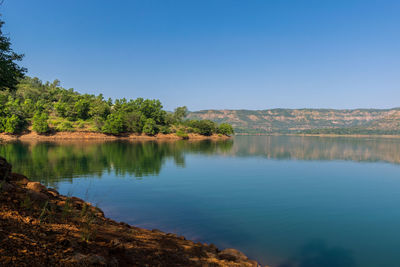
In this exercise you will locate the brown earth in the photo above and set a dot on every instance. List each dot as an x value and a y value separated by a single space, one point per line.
39 227
30 136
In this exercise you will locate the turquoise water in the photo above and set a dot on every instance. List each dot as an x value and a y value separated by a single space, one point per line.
282 200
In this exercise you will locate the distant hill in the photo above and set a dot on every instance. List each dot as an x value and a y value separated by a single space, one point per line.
339 121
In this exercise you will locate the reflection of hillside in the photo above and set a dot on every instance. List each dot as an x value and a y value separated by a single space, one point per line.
49 162
319 148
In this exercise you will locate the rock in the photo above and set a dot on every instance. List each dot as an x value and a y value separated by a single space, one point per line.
53 192
5 187
213 248
157 231
231 254
172 235
36 186
37 196
116 243
124 224
19 178
5 169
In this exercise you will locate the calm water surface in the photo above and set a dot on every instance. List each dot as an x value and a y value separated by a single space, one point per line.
283 200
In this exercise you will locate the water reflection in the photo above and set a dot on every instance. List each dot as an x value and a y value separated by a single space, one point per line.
49 162
319 148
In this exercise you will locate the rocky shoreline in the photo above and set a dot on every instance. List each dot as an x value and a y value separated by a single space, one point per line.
32 136
40 227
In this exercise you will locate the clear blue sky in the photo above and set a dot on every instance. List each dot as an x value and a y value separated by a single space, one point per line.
218 54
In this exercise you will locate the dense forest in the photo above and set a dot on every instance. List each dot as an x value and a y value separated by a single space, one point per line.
47 107
29 104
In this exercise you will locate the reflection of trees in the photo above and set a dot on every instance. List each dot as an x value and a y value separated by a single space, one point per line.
317 254
49 162
319 148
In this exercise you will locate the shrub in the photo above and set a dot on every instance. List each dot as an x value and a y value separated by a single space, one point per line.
149 127
98 123
82 107
3 124
165 129
61 109
225 128
40 123
182 134
14 124
134 121
65 126
114 124
80 124
203 127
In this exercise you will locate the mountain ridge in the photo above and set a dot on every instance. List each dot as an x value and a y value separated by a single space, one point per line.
306 120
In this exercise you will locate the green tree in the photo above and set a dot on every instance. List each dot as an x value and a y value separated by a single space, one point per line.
61 109
14 124
180 113
99 107
40 123
149 127
82 107
10 72
28 108
225 128
114 124
135 121
203 127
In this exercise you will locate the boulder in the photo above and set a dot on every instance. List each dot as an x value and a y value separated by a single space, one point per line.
36 186
37 196
19 178
5 169
231 254
53 192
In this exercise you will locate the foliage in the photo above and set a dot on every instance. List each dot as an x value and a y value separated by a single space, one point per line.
225 128
82 107
65 126
165 129
149 127
13 124
48 105
114 124
40 123
182 134
10 72
204 127
180 113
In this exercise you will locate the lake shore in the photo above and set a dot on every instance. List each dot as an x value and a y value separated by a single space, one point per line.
40 227
33 136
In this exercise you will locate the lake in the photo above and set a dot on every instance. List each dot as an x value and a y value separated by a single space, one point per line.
282 200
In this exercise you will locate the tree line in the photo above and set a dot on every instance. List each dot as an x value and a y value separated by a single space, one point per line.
27 103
